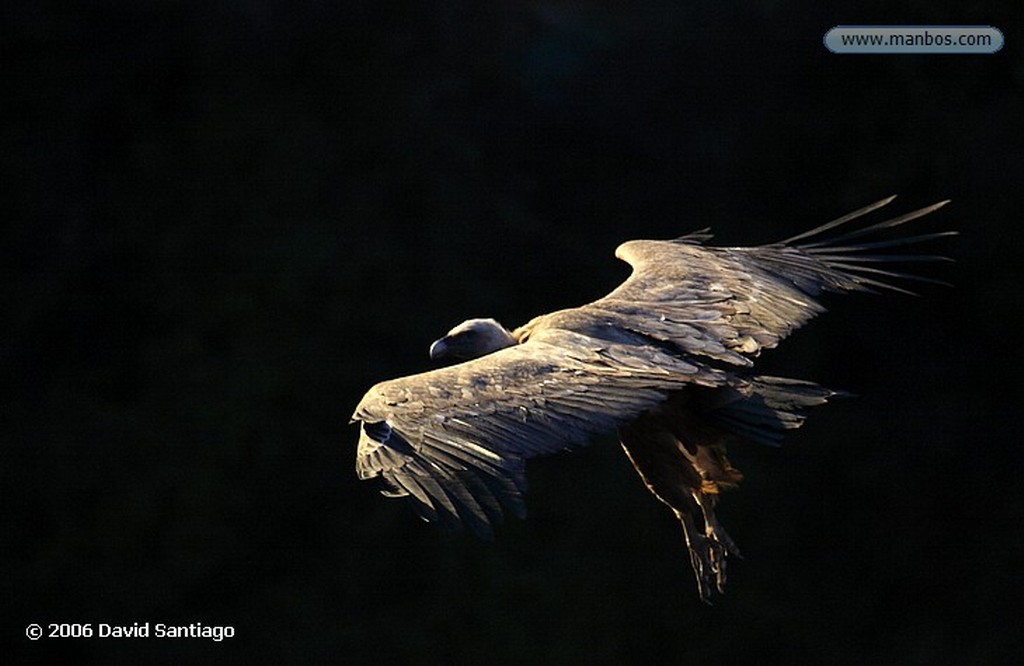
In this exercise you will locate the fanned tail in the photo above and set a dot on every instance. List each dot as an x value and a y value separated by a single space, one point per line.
763 409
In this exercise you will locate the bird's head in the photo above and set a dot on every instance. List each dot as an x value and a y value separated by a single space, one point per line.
472 339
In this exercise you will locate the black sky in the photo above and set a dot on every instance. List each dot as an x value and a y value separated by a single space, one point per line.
224 221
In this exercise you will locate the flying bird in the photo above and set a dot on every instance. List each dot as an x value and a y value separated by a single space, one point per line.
666 359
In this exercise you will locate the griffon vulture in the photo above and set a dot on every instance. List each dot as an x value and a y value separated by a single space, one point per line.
666 358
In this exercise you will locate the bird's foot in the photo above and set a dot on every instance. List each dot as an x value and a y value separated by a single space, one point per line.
708 552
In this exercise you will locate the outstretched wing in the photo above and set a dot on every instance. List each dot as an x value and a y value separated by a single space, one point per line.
730 303
456 439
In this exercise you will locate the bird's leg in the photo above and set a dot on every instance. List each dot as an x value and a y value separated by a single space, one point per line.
671 476
707 556
712 528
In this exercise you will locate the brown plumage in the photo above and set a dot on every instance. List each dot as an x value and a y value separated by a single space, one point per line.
665 358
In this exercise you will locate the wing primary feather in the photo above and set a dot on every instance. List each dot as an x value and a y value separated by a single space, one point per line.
865 283
881 258
818 248
420 496
886 224
469 509
506 480
695 237
881 271
860 212
449 502
442 503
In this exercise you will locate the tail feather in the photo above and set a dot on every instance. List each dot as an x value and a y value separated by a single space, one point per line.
763 408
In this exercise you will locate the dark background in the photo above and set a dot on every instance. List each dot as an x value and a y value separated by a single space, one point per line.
223 221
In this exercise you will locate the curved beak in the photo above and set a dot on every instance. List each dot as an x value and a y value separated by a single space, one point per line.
439 349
